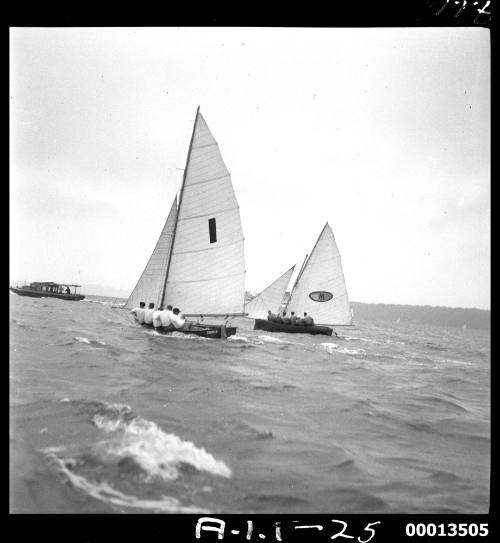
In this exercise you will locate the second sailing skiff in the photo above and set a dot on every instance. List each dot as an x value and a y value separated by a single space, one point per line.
319 290
198 263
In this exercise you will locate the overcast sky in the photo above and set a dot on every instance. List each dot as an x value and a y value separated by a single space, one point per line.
384 133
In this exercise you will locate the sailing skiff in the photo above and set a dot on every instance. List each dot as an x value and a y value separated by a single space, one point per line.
319 290
198 263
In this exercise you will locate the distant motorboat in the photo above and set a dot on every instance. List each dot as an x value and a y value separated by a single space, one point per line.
49 290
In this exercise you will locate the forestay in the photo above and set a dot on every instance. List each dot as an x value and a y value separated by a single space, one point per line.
270 298
206 274
149 288
322 276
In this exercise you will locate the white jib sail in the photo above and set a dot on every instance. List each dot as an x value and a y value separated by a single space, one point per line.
269 298
207 267
323 278
149 288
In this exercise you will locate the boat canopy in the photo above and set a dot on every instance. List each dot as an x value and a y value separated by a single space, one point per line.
52 284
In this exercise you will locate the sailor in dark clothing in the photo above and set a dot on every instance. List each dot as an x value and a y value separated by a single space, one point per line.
285 319
272 317
308 321
68 291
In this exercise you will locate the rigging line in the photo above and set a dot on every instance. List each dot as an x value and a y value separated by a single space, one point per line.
120 312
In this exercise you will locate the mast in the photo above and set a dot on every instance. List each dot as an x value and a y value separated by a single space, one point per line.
296 281
179 206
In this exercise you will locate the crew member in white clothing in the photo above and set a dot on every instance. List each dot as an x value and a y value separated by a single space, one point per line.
179 322
166 318
156 317
148 313
138 312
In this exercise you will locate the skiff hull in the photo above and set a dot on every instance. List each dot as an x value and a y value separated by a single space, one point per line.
268 326
212 331
40 294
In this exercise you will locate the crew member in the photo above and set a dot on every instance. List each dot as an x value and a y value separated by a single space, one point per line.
308 321
148 314
156 317
139 312
179 322
271 316
293 317
166 318
285 319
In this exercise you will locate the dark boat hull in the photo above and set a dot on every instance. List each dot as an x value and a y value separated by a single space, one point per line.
268 326
43 294
212 331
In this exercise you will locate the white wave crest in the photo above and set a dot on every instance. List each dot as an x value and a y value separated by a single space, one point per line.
158 453
351 351
178 335
102 491
98 302
334 347
270 339
241 339
329 347
82 340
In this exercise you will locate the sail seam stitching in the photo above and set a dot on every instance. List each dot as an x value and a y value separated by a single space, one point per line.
203 146
208 248
208 214
208 180
211 279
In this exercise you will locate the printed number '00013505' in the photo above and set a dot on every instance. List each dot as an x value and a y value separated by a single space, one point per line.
451 529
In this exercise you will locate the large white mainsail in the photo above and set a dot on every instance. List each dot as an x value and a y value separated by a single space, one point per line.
320 288
270 298
206 271
150 286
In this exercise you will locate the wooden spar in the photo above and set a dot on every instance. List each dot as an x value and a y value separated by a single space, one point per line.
296 281
162 299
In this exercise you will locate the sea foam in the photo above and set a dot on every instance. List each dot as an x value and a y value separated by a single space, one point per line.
104 492
158 453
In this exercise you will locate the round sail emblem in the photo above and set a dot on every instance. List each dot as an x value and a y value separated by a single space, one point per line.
320 296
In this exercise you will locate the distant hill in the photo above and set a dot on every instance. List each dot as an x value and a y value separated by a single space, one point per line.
425 314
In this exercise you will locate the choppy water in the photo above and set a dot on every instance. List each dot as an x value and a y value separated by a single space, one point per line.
107 417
